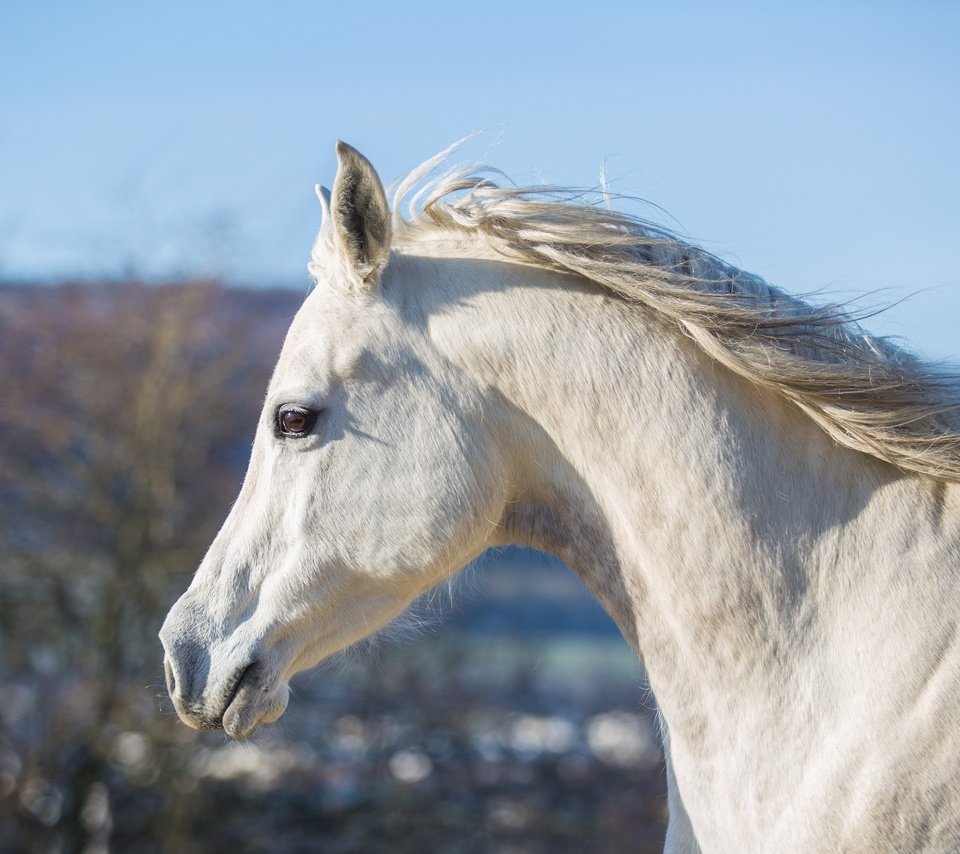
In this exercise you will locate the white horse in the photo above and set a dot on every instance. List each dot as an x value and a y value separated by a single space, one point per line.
764 498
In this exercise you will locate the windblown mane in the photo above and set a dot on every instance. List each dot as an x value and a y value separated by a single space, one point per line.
864 391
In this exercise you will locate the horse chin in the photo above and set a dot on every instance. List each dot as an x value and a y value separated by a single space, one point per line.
254 704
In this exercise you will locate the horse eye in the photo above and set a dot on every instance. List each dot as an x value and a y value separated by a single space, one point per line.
295 421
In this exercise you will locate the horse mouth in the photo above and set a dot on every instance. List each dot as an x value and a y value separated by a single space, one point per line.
252 700
232 693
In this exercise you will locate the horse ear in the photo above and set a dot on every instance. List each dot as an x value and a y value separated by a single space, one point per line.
361 217
323 194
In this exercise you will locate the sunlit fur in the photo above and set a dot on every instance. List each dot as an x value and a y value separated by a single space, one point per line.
764 498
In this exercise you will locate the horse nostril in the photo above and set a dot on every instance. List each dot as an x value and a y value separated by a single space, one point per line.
171 679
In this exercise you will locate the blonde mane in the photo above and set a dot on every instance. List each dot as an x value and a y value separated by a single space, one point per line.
865 391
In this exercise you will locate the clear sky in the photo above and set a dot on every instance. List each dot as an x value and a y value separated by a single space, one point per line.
817 146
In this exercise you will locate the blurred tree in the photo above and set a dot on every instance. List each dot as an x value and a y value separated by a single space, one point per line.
120 430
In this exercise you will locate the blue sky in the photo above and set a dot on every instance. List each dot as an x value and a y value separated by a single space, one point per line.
816 146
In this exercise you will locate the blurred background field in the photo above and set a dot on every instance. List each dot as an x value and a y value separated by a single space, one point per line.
504 714
157 165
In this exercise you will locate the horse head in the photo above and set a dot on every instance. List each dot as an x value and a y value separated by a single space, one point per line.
375 473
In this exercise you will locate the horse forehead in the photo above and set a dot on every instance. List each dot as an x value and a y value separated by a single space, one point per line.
324 320
324 339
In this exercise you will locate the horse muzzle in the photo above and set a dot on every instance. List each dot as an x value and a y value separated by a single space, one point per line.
220 684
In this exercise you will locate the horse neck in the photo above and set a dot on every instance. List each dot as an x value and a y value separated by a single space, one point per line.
720 527
792 601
